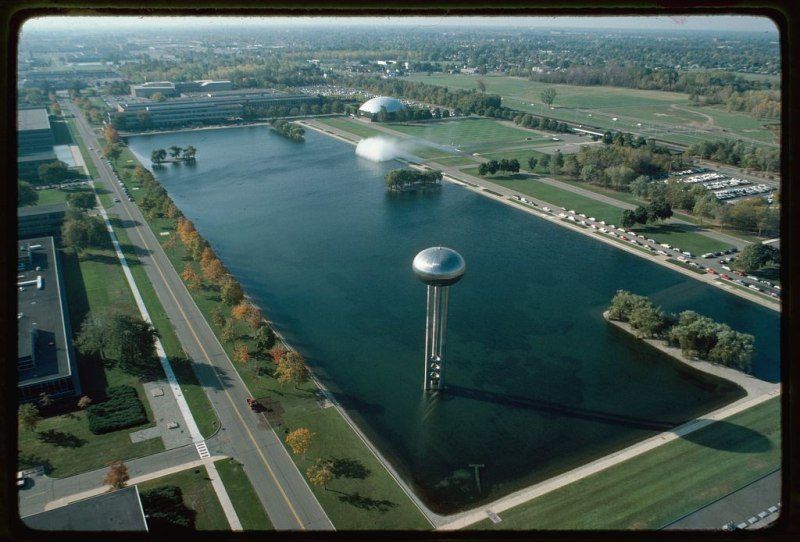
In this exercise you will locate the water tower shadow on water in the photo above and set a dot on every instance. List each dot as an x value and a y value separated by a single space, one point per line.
438 267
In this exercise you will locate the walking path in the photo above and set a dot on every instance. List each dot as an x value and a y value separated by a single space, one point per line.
63 501
41 489
502 194
281 488
183 406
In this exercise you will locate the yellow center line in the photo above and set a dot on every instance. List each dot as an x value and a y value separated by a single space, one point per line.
197 339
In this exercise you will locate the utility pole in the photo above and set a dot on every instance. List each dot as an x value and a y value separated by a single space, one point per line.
477 466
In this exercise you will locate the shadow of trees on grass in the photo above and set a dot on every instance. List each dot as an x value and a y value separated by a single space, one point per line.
59 438
367 503
345 467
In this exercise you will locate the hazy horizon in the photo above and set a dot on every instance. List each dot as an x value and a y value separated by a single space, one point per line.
728 23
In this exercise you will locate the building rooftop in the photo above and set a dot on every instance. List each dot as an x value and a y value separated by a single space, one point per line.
40 210
32 119
43 156
119 510
374 105
42 310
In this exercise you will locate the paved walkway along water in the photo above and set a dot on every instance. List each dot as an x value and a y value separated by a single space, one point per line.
282 489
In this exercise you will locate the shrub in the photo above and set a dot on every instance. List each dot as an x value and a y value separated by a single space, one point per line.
165 509
122 409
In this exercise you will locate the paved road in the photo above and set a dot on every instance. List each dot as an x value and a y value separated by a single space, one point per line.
738 507
714 264
40 489
282 489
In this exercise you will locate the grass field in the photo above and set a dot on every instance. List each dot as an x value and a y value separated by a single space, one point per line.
471 134
49 196
597 106
353 126
657 487
674 234
198 495
364 496
453 160
63 443
243 496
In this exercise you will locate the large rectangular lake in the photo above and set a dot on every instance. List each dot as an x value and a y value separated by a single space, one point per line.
538 382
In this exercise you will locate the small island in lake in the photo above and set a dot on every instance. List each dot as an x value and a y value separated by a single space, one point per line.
288 129
409 180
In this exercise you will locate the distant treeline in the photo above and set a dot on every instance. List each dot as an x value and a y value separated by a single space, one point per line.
739 154
759 98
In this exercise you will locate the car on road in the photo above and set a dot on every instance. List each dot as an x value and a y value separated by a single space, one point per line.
726 277
116 200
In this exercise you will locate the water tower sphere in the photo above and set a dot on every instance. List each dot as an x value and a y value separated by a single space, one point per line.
439 266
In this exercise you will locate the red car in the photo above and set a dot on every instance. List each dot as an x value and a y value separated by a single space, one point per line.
725 276
711 271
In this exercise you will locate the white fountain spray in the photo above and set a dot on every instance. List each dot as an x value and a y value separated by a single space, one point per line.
381 149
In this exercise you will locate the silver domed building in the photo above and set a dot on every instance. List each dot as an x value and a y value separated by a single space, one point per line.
438 267
373 106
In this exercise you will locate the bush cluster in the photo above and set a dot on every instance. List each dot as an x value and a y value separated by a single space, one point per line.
165 509
122 409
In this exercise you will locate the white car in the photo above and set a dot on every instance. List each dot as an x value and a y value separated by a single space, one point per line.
21 479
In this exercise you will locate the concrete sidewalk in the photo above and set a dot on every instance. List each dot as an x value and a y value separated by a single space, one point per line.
63 501
42 489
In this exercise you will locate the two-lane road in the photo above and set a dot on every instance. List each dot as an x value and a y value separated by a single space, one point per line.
286 496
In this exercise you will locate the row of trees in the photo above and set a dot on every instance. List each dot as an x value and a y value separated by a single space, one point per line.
696 335
177 153
94 115
751 215
657 210
493 166
739 154
288 129
404 179
410 113
543 123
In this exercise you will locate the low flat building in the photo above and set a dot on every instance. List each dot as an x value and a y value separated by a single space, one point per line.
119 510
147 90
206 85
39 220
34 142
46 361
202 108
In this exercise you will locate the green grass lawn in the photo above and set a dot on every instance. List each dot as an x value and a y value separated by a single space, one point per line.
469 132
201 408
49 196
94 282
520 154
372 502
453 160
658 487
243 496
680 235
198 495
73 130
352 126
629 106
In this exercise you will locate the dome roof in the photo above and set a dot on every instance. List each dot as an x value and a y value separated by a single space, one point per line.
440 266
374 105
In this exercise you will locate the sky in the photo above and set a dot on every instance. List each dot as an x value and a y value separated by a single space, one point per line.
717 22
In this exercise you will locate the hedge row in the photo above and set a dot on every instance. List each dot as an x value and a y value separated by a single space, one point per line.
122 409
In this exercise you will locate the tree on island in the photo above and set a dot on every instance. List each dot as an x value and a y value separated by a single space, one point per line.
158 156
175 151
408 179
189 153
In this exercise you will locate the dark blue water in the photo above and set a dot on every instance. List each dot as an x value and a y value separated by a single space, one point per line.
538 382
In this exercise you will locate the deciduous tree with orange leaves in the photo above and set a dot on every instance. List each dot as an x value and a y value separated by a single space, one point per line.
117 475
241 353
192 278
300 441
